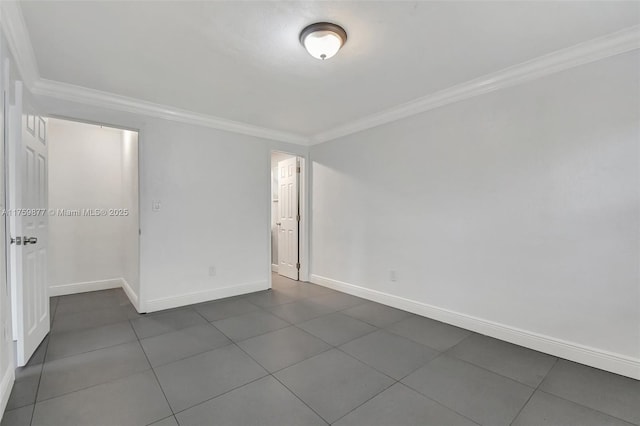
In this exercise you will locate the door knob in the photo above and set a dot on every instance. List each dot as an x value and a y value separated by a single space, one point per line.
29 240
278 223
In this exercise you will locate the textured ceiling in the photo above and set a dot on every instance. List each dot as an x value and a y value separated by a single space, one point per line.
242 60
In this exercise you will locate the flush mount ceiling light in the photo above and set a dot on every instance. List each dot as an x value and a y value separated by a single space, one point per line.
323 39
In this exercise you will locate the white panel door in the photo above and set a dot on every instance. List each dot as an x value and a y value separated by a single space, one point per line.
29 226
288 218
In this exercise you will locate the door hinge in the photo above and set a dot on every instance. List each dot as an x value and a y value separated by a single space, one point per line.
298 169
298 218
298 266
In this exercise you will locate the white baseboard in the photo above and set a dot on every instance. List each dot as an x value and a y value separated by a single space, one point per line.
83 287
6 385
604 360
274 268
74 288
131 294
203 296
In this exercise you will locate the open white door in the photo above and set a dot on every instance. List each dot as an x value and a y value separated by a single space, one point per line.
288 218
28 226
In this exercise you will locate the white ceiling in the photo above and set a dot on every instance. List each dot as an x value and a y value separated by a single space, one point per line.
242 60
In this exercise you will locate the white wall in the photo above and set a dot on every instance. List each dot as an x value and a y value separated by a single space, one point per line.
91 167
214 189
215 193
130 256
275 158
515 213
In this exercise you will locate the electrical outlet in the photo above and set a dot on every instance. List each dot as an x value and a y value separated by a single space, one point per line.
393 275
212 271
156 205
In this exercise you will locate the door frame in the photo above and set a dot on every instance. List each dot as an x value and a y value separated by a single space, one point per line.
7 378
138 304
303 203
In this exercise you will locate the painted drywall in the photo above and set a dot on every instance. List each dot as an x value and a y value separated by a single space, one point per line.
516 209
275 158
130 256
91 168
214 192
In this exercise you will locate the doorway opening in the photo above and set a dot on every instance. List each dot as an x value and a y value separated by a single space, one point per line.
288 216
93 204
74 188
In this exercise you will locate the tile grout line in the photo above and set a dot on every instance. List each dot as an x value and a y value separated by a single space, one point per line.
533 393
364 363
430 398
329 343
219 395
124 318
399 381
368 399
97 349
439 403
522 408
568 400
231 342
286 387
548 372
152 369
376 328
472 334
235 316
86 310
194 307
511 379
396 381
129 320
356 359
257 335
447 352
94 385
267 375
585 406
44 359
162 419
299 399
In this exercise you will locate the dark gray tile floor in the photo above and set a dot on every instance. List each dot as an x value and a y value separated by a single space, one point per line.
296 355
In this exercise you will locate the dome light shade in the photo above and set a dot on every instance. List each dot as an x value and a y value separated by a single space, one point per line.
323 39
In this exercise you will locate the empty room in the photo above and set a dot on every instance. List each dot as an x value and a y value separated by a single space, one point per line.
292 213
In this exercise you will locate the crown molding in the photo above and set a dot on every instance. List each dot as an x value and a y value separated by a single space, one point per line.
18 40
86 96
593 50
17 36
